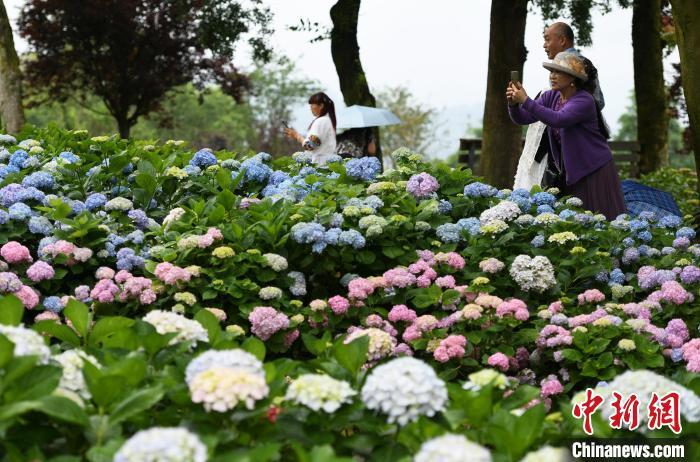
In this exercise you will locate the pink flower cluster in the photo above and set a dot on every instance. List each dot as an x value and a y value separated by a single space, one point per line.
360 289
488 301
424 272
550 386
107 289
514 306
583 319
591 296
450 347
691 353
266 321
207 239
671 292
453 259
171 274
676 333
553 336
28 297
9 282
500 361
402 313
14 252
422 185
67 249
445 282
399 277
40 271
491 265
339 305
421 324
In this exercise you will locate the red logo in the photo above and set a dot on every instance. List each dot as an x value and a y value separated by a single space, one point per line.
665 411
627 412
587 409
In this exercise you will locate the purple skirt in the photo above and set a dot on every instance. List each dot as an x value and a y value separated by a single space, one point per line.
600 191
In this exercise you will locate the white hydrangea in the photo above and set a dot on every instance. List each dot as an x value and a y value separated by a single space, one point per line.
28 143
546 218
166 322
119 203
548 454
276 262
504 210
574 202
525 219
404 388
644 383
452 448
320 392
234 359
174 215
535 274
7 139
221 388
27 342
72 378
381 344
270 293
162 444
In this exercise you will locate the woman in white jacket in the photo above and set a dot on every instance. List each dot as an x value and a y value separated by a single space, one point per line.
320 139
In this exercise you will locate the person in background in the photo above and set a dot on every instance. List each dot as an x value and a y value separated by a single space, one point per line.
577 133
320 138
356 142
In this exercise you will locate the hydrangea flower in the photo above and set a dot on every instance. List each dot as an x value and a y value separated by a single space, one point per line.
266 321
452 448
27 342
422 185
72 379
162 444
320 392
364 168
234 359
187 330
404 389
536 274
203 159
221 389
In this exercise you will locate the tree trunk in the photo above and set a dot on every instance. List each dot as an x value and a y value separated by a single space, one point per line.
124 125
649 88
11 109
686 16
501 145
346 57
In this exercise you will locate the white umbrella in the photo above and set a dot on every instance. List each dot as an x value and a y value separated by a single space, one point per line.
364 116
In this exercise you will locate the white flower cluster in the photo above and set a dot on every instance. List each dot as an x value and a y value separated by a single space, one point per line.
72 379
548 454
119 203
535 274
276 262
404 389
234 359
504 210
162 444
27 342
166 322
381 344
452 448
220 389
320 392
644 383
173 216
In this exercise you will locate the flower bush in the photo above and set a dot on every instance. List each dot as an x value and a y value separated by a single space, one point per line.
164 304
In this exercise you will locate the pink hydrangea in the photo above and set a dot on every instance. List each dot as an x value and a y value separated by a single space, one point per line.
28 297
171 274
403 350
147 297
9 282
491 265
215 234
399 277
122 276
450 347
374 320
104 291
500 361
290 338
339 305
556 307
104 272
402 313
514 306
591 296
360 288
419 267
691 353
423 282
672 292
488 301
552 336
453 259
676 333
40 271
266 321
14 252
82 254
445 282
47 316
82 293
427 256
550 386
422 185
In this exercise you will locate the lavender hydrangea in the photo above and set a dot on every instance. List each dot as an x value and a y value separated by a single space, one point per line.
364 168
422 185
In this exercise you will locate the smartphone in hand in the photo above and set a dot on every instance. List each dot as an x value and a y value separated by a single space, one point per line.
515 77
286 125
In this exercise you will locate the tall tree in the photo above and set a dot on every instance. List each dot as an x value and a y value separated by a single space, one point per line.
501 137
11 110
686 16
130 53
649 87
346 57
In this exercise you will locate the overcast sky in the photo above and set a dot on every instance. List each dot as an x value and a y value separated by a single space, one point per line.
439 50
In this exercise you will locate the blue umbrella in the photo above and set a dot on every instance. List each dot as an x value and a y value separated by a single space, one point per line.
642 198
364 116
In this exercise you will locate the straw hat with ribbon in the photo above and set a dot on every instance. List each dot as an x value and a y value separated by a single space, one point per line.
569 63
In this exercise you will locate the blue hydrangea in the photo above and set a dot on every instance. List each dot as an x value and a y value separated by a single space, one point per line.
352 238
364 168
203 159
39 180
40 225
544 198
478 189
277 177
77 207
374 202
566 213
470 225
306 171
192 170
31 194
332 235
676 355
638 225
669 221
139 217
128 260
686 232
298 286
136 237
4 217
668 250
255 170
128 168
18 158
602 276
337 220
449 233
644 250
20 211
544 208
617 276
53 304
523 202
630 255
308 233
537 241
520 192
119 191
645 236
444 206
318 247
627 242
10 194
69 157
95 201
647 215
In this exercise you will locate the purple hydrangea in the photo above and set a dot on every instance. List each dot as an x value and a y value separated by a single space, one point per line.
422 185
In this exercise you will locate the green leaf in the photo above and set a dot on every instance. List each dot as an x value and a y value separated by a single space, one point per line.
7 349
35 384
135 403
79 315
108 326
393 251
571 354
316 346
226 198
604 360
18 408
210 323
11 310
255 347
63 409
423 298
352 355
59 331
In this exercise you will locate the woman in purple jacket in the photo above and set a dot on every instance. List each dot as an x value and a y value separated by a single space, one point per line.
577 135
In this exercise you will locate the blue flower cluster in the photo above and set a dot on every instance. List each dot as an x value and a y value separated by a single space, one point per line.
544 208
203 159
14 192
470 225
40 225
478 189
319 238
53 304
670 221
449 233
363 168
444 207
128 260
39 180
373 202
20 211
537 241
139 217
686 232
68 157
95 201
544 198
